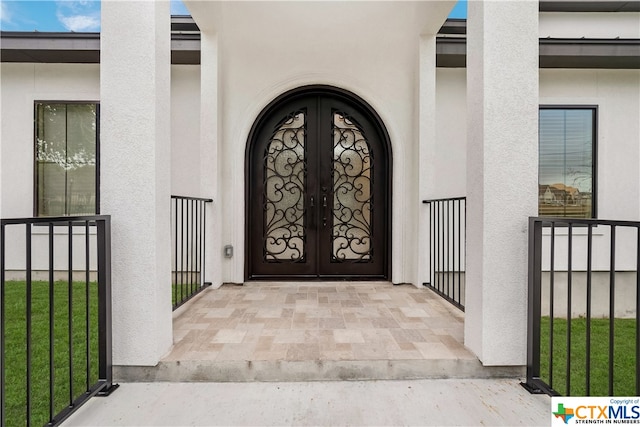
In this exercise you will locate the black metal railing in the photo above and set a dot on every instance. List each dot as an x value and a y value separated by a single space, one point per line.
188 224
55 317
447 243
583 323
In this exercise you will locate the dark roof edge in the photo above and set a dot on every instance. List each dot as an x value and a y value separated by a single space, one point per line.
183 23
588 6
454 26
180 24
47 47
84 48
47 35
557 53
67 48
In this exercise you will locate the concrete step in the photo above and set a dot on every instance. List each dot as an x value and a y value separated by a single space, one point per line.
312 370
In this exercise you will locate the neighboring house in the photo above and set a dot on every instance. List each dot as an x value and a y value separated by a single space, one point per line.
240 103
562 200
547 195
559 194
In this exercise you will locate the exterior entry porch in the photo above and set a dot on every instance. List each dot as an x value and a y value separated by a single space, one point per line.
402 91
296 331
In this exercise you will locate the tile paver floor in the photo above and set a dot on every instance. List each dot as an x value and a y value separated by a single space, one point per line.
335 321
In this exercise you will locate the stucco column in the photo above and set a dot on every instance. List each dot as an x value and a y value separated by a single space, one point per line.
209 153
427 138
502 172
135 174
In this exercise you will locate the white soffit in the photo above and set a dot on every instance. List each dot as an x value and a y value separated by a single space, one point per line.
214 16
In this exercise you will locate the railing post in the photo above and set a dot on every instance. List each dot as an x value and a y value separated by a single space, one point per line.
637 310
612 310
70 306
534 306
431 247
588 320
105 370
2 301
29 336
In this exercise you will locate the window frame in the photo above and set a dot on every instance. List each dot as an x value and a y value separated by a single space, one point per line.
594 148
36 205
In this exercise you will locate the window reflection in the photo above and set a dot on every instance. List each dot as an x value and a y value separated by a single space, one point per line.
66 164
566 147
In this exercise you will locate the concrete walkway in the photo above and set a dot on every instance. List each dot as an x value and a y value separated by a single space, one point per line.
444 402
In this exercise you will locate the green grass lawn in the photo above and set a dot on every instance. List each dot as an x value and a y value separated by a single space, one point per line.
624 357
15 348
182 291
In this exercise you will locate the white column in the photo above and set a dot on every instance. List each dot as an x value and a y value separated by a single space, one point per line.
502 174
209 154
135 174
427 142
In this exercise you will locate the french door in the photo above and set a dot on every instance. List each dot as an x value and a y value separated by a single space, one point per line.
318 189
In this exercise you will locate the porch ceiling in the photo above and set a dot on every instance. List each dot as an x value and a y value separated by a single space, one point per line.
293 17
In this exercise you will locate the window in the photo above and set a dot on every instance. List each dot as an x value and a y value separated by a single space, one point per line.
66 153
566 174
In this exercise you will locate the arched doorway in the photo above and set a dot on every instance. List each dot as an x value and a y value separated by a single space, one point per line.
318 189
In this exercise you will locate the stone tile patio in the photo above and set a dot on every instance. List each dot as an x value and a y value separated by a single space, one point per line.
316 331
330 321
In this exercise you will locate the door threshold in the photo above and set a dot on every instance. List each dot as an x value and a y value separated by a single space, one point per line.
264 283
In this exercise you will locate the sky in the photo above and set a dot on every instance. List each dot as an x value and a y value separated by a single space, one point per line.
58 15
84 15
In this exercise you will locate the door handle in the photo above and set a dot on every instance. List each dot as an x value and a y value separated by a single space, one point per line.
311 211
324 211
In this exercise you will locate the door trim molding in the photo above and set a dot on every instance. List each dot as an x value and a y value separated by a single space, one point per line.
319 89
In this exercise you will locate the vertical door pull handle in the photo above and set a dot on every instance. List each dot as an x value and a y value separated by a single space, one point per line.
324 211
311 202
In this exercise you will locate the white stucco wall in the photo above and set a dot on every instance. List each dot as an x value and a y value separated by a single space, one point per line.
185 131
502 148
21 85
135 158
211 162
616 93
135 89
426 116
346 48
449 156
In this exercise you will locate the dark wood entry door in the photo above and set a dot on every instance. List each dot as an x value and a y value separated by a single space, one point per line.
318 189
